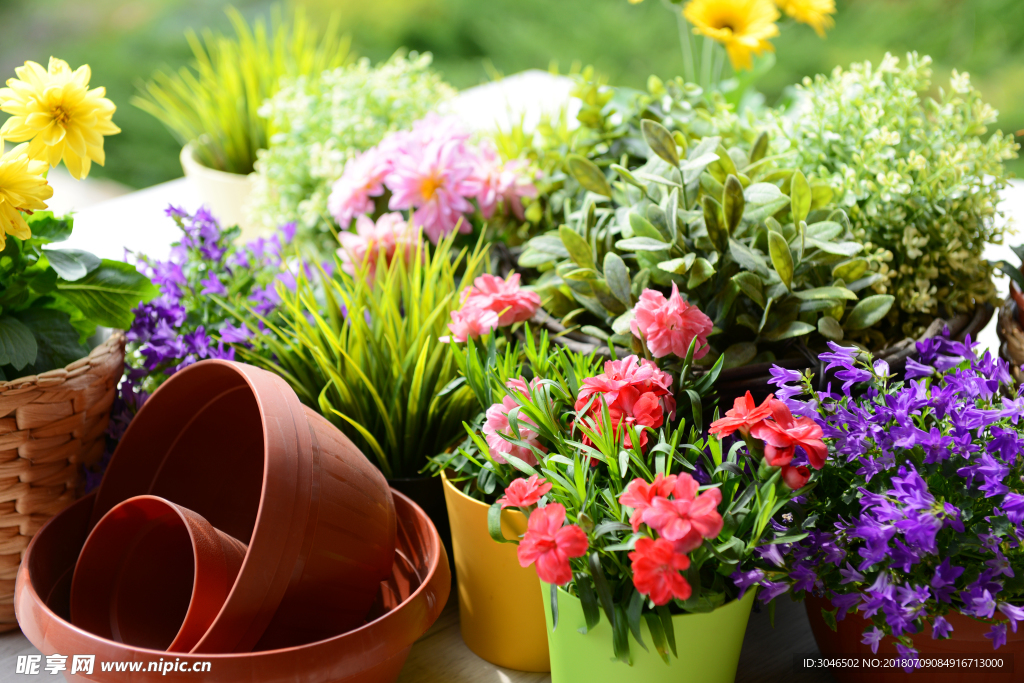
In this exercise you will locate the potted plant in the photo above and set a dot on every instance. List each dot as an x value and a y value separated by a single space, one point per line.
213 108
58 376
636 521
912 537
919 177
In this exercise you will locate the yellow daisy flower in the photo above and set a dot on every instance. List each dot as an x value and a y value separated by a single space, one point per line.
55 109
742 26
23 187
815 13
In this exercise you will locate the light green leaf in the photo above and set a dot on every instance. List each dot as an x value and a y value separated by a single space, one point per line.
792 329
869 311
71 264
762 193
851 270
836 248
700 272
588 175
660 141
826 293
800 197
616 274
641 244
108 294
748 258
678 265
830 328
579 250
782 257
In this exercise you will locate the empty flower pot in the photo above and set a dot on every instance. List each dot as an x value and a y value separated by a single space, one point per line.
153 574
405 606
233 444
501 614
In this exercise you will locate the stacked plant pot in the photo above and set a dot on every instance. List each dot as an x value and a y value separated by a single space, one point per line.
238 527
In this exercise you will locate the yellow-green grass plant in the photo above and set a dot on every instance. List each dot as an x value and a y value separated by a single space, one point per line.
214 104
365 351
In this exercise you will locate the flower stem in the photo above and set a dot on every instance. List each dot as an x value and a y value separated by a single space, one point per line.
689 73
705 63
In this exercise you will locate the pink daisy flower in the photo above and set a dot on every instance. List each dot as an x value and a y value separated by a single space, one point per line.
371 240
492 182
362 179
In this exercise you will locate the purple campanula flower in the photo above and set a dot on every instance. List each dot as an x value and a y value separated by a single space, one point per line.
771 590
915 369
844 602
745 579
234 335
212 285
997 634
850 575
907 653
1013 507
873 636
941 628
1012 613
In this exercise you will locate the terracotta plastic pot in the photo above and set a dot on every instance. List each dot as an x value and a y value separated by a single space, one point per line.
501 614
406 604
153 574
968 638
233 444
428 493
708 645
225 194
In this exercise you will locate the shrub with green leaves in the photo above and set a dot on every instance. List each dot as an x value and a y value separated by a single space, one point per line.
919 177
322 122
363 349
753 244
52 300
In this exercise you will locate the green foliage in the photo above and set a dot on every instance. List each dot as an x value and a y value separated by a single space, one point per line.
695 201
919 177
364 351
52 300
325 121
216 102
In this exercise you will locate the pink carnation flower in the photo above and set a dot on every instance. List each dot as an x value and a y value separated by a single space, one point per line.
523 493
496 424
493 181
371 240
549 544
362 179
669 325
688 518
470 323
504 297
428 173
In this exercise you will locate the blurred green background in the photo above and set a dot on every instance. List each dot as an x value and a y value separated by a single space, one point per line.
125 40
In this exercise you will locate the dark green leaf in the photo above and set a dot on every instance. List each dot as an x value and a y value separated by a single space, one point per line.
616 274
869 311
604 591
108 294
636 607
657 635
829 617
670 631
748 258
733 203
17 343
751 285
57 338
660 141
830 328
759 149
791 329
554 607
588 600
700 272
588 175
620 636
46 228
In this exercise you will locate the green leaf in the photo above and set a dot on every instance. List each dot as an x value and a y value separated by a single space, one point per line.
644 228
836 248
670 630
588 175
739 354
700 272
830 328
851 270
641 244
762 193
17 343
579 251
620 636
554 607
829 617
657 635
616 274
57 338
588 600
751 285
47 229
636 606
733 203
660 141
792 329
494 524
1012 272
108 294
759 213
716 231
678 265
824 230
826 293
800 197
604 591
782 257
760 147
71 264
748 258
869 311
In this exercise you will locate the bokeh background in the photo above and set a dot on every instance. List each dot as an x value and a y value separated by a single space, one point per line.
475 40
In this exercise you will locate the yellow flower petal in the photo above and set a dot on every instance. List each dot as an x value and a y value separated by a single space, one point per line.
815 13
743 27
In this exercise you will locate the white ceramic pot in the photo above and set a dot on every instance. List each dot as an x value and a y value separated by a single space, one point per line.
225 194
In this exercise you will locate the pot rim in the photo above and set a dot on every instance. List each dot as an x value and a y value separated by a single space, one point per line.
190 163
438 573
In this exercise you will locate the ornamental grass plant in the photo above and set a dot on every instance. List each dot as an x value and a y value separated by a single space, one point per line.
361 346
215 103
919 511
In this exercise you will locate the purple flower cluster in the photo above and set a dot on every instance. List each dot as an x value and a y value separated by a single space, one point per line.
920 511
205 278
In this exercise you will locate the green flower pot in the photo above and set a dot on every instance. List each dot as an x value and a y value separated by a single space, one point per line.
708 645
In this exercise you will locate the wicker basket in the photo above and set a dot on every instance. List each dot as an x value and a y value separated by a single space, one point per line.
1011 339
50 426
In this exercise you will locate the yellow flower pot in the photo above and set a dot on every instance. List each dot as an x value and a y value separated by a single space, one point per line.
501 612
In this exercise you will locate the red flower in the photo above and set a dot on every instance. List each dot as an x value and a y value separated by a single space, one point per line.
689 518
522 493
785 431
656 567
639 495
636 392
778 457
550 545
744 415
795 477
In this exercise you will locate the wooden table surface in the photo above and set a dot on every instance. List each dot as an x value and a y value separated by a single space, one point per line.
440 656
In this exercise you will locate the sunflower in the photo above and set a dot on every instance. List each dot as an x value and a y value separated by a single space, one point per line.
742 26
815 13
23 187
55 109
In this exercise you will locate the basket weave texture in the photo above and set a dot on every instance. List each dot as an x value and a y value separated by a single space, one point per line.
51 425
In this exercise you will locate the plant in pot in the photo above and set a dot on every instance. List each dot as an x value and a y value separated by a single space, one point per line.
755 245
56 386
912 537
918 176
213 108
636 522
322 122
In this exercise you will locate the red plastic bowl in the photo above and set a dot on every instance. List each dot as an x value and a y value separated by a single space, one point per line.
153 574
405 607
233 444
